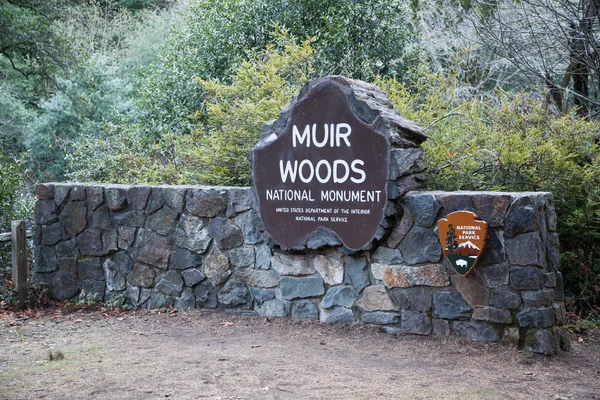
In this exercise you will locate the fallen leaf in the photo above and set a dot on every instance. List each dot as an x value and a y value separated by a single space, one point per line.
227 323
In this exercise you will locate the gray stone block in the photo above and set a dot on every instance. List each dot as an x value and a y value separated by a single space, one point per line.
89 243
495 275
191 234
174 197
186 300
420 245
441 327
156 200
376 298
291 264
74 217
116 197
305 309
137 196
380 318
400 230
90 268
109 241
537 298
123 262
415 323
505 299
415 298
357 273
234 294
126 237
267 278
61 193
329 265
68 265
526 249
133 218
385 255
184 259
450 305
78 193
206 202
95 196
553 252
46 212
192 276
475 330
252 227
261 295
559 291
52 234
171 284
424 208
492 314
152 248
101 218
240 200
62 286
493 252
92 290
536 317
527 278
206 295
216 266
163 221
540 341
158 300
453 201
226 234
404 162
550 280
115 280
298 288
491 208
68 248
339 296
45 259
274 308
263 256
141 276
520 219
337 315
242 257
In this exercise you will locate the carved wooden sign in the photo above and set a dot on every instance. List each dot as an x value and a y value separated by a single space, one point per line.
463 239
320 167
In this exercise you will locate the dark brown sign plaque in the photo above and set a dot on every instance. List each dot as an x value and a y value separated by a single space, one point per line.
324 169
462 238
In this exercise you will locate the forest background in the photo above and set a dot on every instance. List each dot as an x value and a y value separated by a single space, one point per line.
176 92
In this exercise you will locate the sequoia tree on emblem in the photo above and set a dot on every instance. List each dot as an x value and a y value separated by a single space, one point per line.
463 239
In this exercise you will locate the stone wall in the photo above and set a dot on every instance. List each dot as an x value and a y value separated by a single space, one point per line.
205 247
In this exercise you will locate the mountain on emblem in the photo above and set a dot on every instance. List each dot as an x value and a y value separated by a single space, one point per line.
463 239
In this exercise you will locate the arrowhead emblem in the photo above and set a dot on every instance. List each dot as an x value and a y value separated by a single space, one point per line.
462 238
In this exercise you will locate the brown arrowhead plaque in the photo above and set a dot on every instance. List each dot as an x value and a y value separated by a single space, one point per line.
320 167
463 239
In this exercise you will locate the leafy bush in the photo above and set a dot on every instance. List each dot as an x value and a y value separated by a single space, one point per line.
211 38
15 202
512 142
216 151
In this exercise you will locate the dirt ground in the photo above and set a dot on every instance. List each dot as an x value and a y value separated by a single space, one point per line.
205 355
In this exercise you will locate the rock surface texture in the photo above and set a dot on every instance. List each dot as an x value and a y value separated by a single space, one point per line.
409 289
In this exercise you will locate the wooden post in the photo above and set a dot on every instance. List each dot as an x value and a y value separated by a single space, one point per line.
19 260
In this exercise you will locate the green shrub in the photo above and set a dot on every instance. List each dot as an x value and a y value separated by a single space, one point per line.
216 150
512 142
